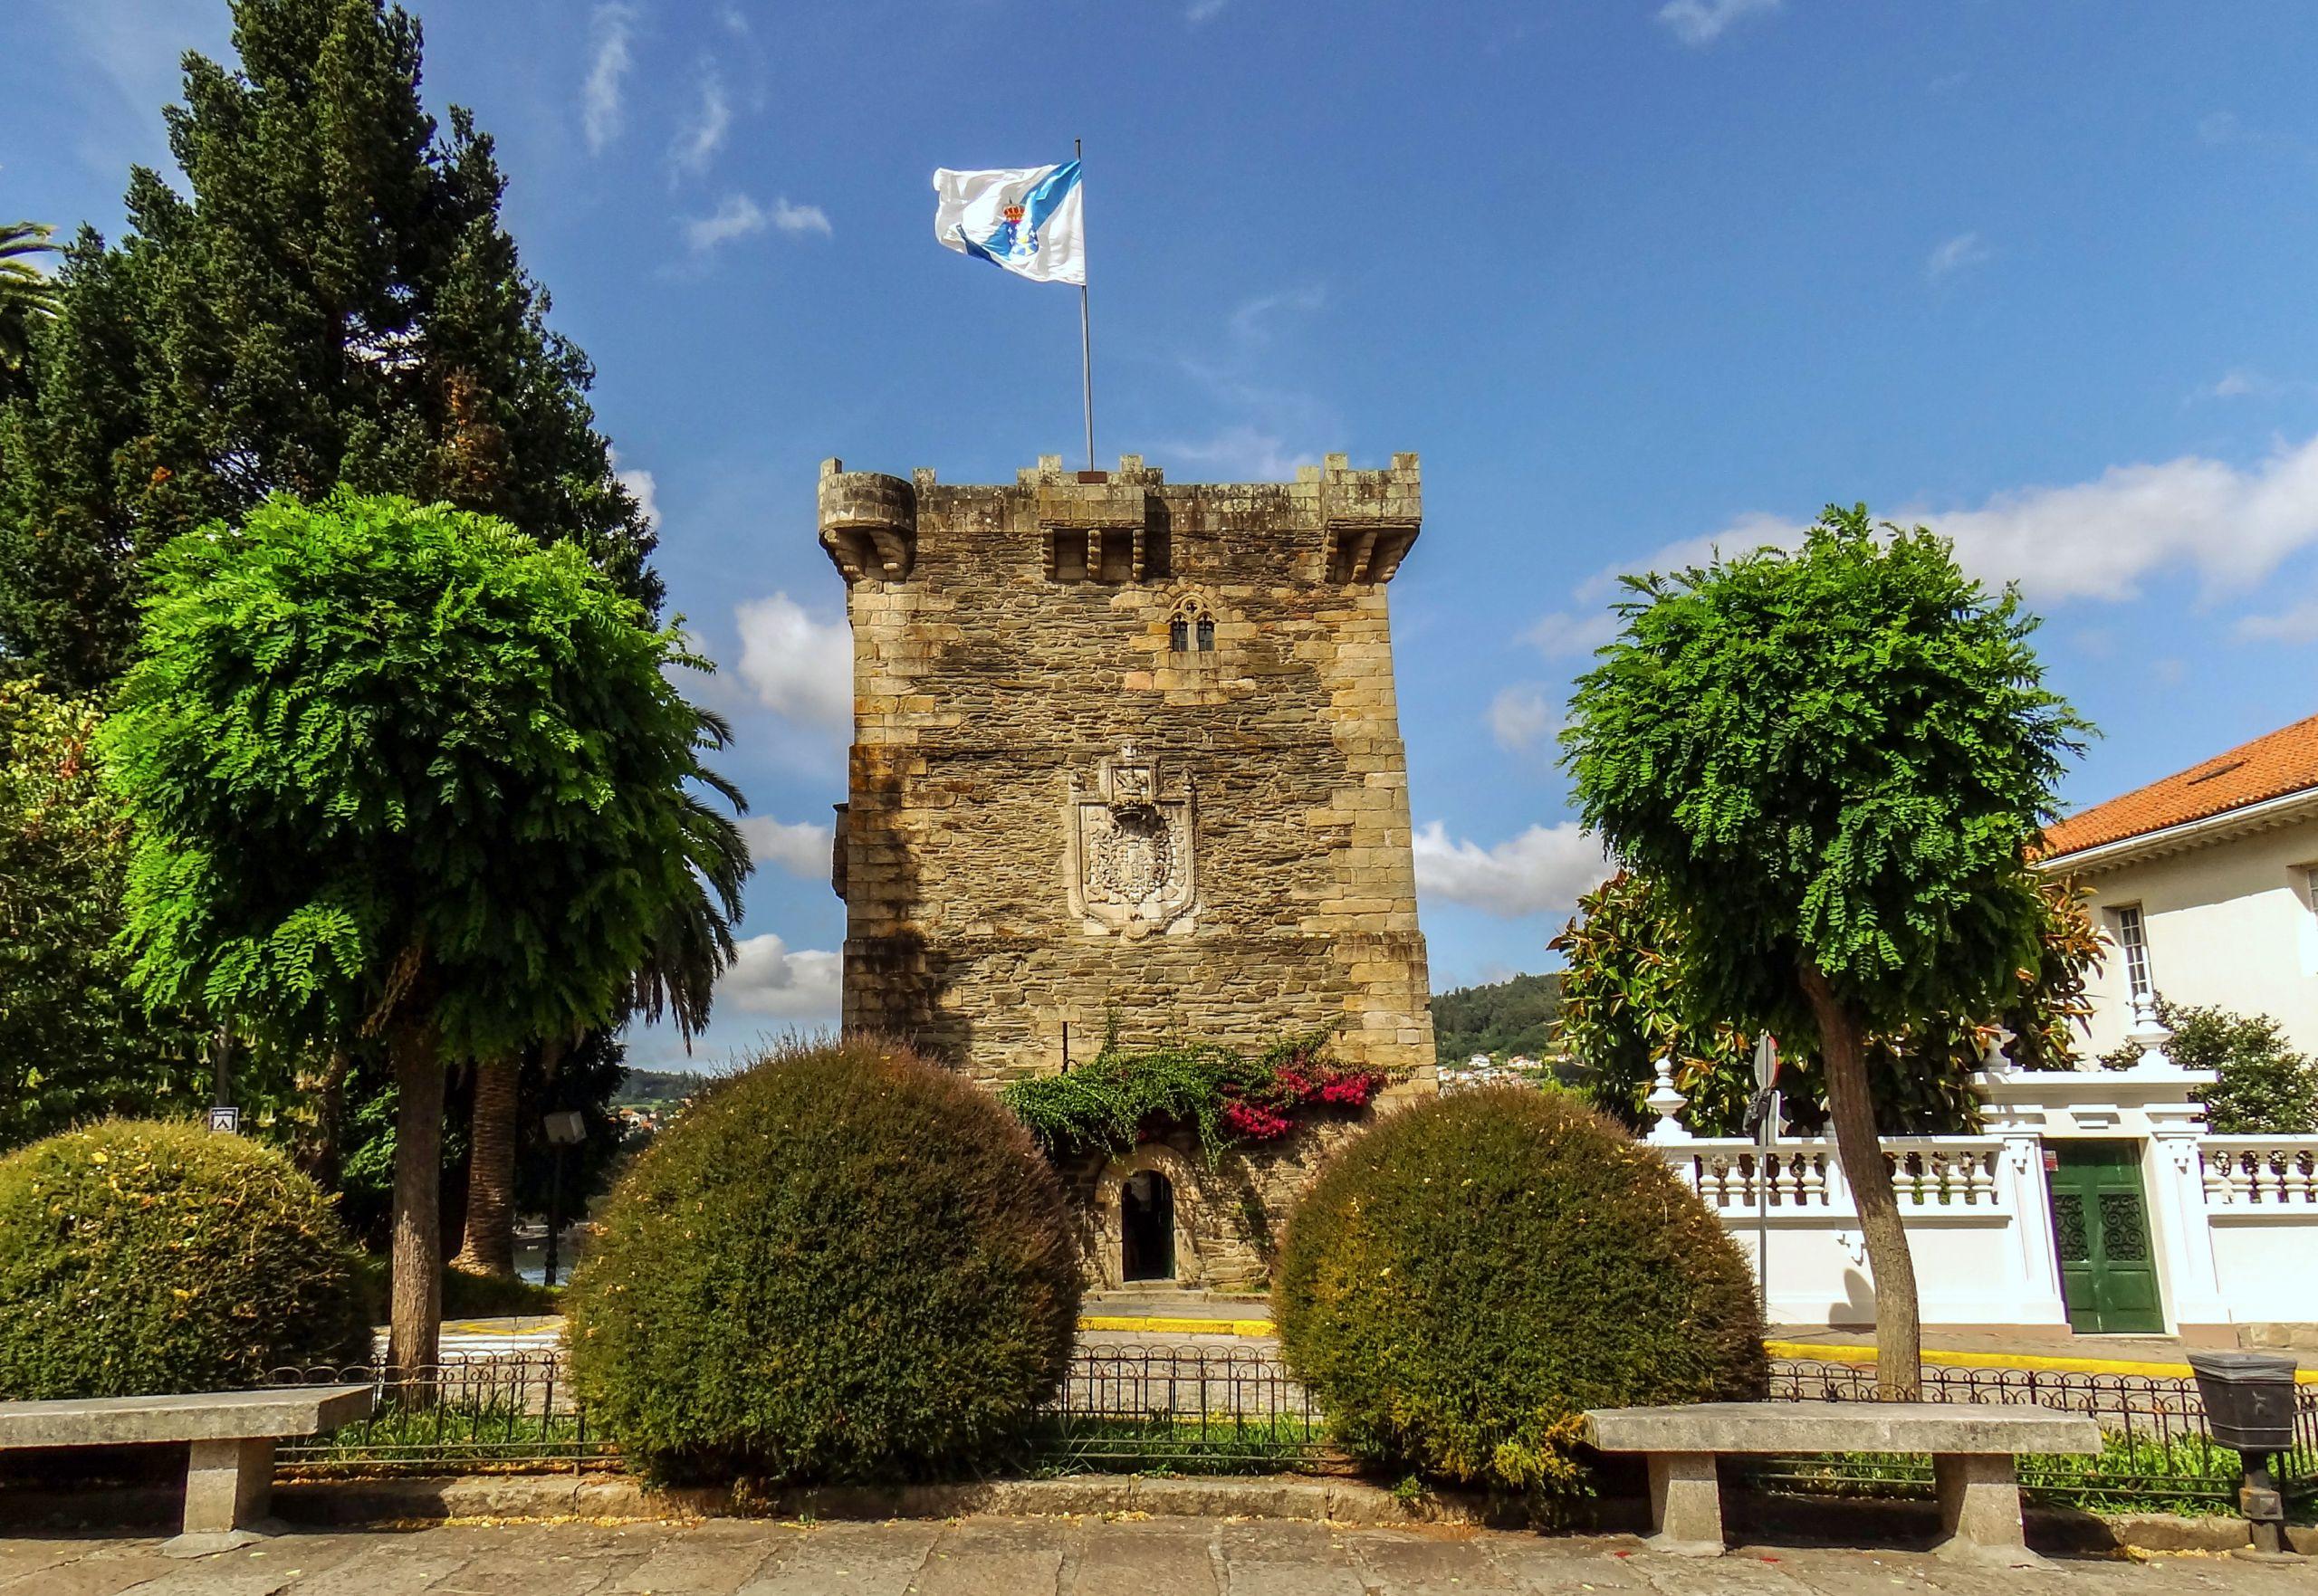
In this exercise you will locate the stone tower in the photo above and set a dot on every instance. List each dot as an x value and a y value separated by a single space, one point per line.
1126 747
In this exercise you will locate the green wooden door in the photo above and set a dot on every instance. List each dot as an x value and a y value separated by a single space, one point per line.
2101 1231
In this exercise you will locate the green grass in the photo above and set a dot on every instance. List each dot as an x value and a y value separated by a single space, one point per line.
1071 1444
2189 1474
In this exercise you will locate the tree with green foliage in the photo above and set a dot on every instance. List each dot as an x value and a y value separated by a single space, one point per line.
399 772
326 298
1624 1009
74 1042
27 298
2263 1086
1833 761
1502 1019
676 980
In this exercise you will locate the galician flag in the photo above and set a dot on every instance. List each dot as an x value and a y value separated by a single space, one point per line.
1031 220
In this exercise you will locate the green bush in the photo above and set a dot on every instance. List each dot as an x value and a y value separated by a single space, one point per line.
146 1256
2264 1088
843 1264
1468 1276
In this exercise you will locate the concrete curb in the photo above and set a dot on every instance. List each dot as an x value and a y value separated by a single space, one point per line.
616 1496
1865 1523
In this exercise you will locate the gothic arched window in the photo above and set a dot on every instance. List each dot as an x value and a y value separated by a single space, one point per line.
1191 630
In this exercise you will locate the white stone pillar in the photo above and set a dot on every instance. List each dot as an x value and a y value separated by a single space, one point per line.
2026 1196
2175 1175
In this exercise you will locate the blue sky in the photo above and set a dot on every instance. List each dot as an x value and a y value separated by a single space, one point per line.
1632 277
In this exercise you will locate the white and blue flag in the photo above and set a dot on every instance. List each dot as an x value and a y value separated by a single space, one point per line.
1031 220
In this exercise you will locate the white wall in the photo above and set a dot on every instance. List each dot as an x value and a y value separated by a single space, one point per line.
2229 925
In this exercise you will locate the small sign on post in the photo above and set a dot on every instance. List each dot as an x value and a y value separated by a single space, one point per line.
225 1117
1762 1122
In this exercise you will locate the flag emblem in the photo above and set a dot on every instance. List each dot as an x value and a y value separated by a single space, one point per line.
1029 220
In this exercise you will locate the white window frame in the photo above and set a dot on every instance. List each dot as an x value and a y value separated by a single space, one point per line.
2129 928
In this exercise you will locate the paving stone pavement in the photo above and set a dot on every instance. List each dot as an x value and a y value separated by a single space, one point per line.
991 1556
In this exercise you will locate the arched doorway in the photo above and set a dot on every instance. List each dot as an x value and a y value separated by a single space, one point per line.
1147 1227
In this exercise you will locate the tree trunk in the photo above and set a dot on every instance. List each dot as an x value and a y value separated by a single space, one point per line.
1850 1109
329 1121
488 1245
416 1323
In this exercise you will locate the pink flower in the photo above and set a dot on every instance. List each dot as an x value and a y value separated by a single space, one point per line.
1254 1123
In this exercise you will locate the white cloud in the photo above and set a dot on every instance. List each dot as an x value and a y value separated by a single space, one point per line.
1242 453
737 217
642 487
1252 322
1199 11
697 144
599 100
2298 625
2244 383
1959 253
798 667
797 220
1543 871
740 217
1572 632
2230 526
799 846
1702 21
766 978
1521 716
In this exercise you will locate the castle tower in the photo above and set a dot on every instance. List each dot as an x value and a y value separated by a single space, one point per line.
1126 747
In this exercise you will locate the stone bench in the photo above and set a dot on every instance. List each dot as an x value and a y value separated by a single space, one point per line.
1972 1447
229 1471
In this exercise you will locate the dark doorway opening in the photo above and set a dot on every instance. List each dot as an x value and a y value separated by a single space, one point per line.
1147 1227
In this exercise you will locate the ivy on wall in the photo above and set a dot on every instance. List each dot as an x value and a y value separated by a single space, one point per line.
1126 1095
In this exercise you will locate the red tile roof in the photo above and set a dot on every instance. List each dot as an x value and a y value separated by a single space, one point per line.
2285 761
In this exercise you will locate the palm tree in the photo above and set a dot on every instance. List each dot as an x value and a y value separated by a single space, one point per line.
677 980
27 296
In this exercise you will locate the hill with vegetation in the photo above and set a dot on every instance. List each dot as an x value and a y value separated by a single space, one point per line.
645 1088
1503 1018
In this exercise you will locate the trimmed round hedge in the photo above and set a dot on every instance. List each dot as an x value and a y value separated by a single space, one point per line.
1468 1276
141 1257
844 1263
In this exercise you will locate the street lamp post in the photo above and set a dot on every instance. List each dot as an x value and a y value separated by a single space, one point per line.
565 1130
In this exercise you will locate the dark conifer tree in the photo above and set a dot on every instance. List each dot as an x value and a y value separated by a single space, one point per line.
327 299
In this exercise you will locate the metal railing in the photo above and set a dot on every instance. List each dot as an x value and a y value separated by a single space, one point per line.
492 1409
1232 1411
2157 1451
1192 1409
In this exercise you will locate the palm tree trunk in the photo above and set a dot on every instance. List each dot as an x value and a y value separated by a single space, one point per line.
488 1245
1850 1109
415 1326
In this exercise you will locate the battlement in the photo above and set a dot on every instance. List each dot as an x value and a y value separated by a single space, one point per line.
1335 524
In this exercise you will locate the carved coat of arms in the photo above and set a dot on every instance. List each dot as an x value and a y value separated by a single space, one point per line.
1128 861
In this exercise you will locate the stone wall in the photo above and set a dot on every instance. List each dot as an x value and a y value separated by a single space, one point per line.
1126 747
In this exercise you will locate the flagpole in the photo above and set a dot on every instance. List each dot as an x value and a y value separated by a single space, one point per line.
1085 332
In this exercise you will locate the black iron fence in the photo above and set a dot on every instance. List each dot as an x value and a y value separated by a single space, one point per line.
495 1409
1193 1410
1236 1409
2157 1451
1189 1409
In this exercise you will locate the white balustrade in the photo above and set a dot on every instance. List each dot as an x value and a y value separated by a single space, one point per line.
2252 1172
2233 1219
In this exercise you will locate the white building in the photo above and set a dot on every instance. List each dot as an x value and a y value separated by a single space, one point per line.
2205 882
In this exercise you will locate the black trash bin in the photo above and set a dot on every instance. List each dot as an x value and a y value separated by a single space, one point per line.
2248 1400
